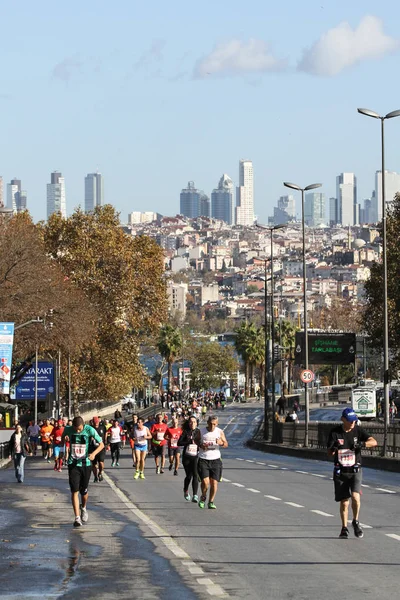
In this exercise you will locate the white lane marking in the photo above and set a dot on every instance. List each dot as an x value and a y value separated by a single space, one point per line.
252 490
384 490
238 484
284 469
362 525
294 504
317 475
212 588
247 460
274 466
302 472
365 485
240 459
226 480
394 536
322 513
263 464
196 571
272 497
229 422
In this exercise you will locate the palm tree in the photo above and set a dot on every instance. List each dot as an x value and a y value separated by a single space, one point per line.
285 334
169 346
249 344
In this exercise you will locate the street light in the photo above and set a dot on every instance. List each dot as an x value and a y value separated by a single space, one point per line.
269 362
391 115
313 186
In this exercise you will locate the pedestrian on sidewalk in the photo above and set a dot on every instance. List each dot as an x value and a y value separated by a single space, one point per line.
18 448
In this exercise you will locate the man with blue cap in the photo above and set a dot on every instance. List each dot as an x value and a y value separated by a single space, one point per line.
344 443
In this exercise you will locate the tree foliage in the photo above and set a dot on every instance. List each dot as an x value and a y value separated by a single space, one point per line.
250 345
211 365
169 346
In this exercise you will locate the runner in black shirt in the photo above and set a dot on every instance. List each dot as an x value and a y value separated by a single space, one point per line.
344 443
98 462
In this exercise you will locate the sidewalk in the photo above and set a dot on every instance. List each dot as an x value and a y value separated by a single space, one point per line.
110 557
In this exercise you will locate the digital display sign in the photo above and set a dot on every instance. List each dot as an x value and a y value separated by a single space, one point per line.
326 348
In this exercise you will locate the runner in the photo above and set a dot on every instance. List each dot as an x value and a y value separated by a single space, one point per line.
114 438
58 447
141 435
33 432
79 461
45 435
172 435
204 411
98 462
190 440
210 465
131 433
159 443
344 443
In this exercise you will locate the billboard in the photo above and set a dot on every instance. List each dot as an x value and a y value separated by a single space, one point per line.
326 348
25 388
6 348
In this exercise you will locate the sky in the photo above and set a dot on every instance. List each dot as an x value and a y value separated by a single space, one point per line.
155 94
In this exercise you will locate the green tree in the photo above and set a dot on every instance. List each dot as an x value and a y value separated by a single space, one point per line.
250 345
285 334
170 346
212 365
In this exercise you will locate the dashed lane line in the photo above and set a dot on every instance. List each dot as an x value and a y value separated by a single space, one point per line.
212 588
247 460
240 459
238 485
294 504
273 466
302 472
322 513
263 464
394 536
317 475
272 497
253 490
226 480
385 490
365 485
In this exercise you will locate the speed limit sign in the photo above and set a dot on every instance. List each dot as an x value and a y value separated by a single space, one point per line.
307 376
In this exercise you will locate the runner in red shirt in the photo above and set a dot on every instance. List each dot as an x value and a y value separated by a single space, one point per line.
158 442
172 435
58 446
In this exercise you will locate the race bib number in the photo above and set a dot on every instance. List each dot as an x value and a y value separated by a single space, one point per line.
191 450
160 436
58 438
347 458
47 434
211 445
174 442
78 451
140 441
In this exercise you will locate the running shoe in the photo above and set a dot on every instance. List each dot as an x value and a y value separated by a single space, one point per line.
170 467
136 475
55 468
358 532
84 515
157 470
211 505
48 460
187 496
117 464
78 522
344 534
95 480
195 498
161 471
113 464
100 477
59 470
142 476
202 502
175 472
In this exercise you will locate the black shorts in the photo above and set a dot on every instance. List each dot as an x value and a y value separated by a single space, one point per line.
159 450
345 484
174 451
210 468
79 478
45 445
99 458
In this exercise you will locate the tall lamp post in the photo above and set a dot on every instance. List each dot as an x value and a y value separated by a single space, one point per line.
313 186
386 378
269 362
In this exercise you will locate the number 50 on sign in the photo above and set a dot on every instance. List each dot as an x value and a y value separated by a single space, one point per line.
307 376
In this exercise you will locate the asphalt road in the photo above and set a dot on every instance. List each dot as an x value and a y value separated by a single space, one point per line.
274 534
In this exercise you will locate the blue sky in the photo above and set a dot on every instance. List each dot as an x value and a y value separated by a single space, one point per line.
154 94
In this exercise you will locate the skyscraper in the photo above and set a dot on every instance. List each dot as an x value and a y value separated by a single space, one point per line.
16 198
285 212
245 194
204 206
56 202
334 216
190 201
392 187
346 194
222 200
94 191
314 209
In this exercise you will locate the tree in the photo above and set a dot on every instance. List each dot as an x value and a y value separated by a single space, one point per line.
285 335
123 279
250 345
170 346
211 365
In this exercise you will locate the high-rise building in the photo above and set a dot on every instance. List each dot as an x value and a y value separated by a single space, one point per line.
94 191
245 194
392 187
190 201
346 193
373 209
334 213
222 200
16 197
204 206
285 211
56 202
1 192
314 209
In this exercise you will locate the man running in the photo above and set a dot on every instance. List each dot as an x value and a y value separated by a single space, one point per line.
159 443
45 435
79 469
344 443
114 438
172 435
190 440
33 432
210 464
140 441
98 462
58 447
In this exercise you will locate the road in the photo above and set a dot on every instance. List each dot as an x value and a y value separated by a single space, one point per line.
274 534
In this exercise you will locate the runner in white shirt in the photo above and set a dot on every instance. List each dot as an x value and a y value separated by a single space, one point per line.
210 465
141 436
114 437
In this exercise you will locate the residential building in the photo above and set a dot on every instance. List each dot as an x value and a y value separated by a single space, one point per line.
222 200
314 209
209 293
137 217
285 211
94 191
56 202
392 187
245 194
346 193
176 294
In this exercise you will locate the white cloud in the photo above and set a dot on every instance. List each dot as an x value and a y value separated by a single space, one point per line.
238 58
342 47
